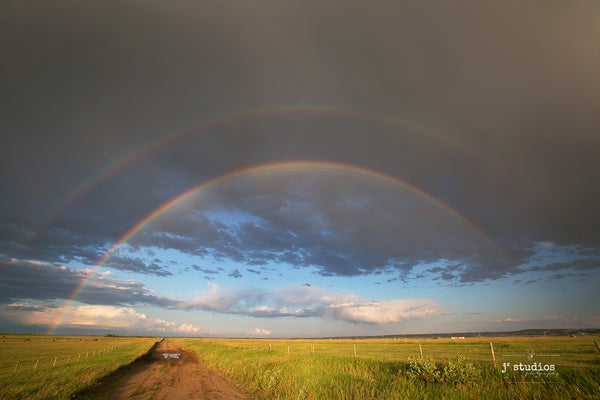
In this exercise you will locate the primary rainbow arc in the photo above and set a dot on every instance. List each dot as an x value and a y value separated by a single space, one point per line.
329 165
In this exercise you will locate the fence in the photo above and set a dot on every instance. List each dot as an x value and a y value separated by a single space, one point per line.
485 351
26 355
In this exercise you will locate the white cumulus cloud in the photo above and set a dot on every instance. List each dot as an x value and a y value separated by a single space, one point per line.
303 301
259 332
190 329
85 316
378 312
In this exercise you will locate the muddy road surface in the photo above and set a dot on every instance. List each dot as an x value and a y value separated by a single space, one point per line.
168 372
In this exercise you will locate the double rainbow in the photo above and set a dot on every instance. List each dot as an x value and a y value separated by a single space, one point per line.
277 166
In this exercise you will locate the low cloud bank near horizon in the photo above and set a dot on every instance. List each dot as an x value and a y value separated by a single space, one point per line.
97 317
296 301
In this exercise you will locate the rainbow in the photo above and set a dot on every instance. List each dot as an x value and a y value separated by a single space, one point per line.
261 168
103 173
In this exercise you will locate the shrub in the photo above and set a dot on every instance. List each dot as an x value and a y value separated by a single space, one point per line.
423 369
458 371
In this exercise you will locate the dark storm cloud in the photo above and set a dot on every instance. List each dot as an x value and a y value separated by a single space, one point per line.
578 264
41 281
205 270
136 265
235 274
341 225
24 307
515 105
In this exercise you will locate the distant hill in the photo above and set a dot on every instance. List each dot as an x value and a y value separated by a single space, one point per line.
520 333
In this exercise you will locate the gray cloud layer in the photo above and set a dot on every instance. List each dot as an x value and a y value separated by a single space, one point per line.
515 105
45 282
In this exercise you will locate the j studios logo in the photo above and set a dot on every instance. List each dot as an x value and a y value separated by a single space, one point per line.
535 368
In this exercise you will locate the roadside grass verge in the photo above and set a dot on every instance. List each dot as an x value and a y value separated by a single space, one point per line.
71 373
276 374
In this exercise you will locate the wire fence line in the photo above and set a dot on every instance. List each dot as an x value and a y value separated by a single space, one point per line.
351 350
18 363
492 351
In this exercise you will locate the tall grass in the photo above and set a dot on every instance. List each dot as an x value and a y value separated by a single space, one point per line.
382 369
65 365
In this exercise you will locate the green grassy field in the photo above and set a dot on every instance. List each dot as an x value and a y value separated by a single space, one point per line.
328 369
56 367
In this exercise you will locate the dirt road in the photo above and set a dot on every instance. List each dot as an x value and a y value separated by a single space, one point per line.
181 375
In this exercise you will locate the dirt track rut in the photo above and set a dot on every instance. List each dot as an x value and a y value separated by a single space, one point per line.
155 377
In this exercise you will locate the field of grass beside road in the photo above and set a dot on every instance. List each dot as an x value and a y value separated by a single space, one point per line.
327 369
56 367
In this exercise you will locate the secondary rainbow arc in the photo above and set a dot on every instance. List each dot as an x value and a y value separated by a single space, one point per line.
110 169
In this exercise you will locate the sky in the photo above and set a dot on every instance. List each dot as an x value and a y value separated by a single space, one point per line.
299 169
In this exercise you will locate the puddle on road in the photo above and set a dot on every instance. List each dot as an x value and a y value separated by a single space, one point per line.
171 355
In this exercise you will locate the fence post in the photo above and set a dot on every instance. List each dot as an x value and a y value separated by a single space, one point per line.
54 361
36 363
288 350
269 346
420 350
493 356
354 351
16 366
